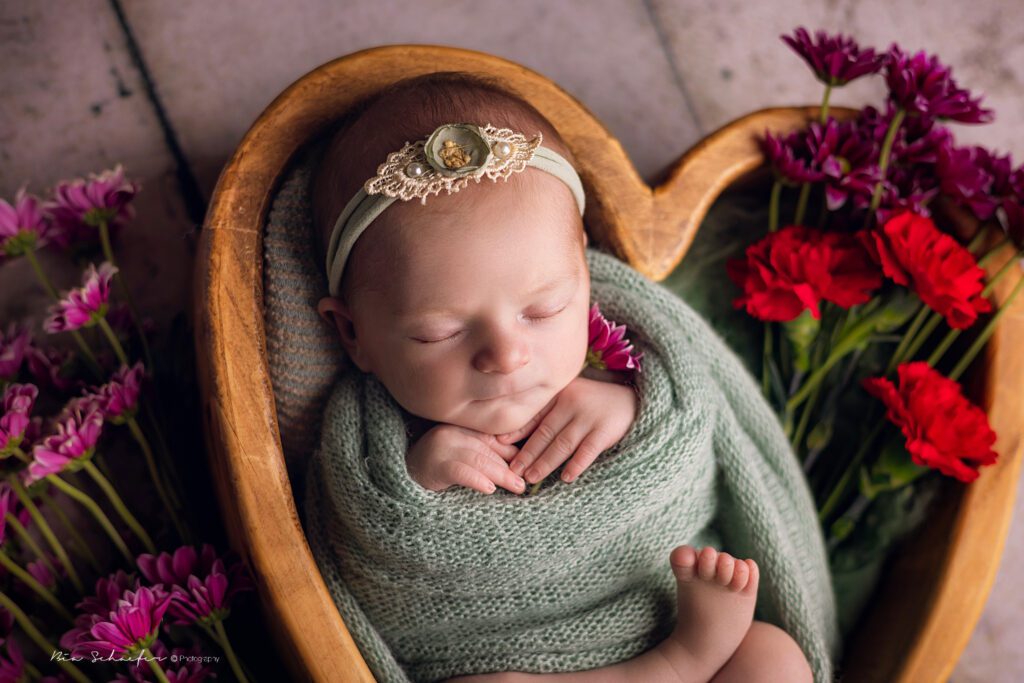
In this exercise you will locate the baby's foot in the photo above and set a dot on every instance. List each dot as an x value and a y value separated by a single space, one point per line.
716 595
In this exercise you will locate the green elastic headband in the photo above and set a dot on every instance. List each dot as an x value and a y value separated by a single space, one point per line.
452 156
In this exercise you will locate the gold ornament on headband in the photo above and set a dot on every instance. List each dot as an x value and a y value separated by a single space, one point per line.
452 156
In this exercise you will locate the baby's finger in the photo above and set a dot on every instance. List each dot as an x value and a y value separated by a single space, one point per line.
593 445
461 473
496 470
558 451
505 451
542 436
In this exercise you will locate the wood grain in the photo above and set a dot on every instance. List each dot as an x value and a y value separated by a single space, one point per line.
931 598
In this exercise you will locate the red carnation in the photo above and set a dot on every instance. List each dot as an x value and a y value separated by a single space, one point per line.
916 254
794 268
944 430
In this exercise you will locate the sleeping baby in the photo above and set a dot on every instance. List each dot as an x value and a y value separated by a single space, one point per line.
460 283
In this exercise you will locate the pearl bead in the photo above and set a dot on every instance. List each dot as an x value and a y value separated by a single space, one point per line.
415 169
502 149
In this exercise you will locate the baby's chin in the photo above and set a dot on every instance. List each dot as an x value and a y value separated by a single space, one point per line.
499 417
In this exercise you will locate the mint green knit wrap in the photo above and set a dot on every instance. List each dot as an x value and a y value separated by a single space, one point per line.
434 585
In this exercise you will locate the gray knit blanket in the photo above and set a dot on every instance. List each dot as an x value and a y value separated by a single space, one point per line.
439 584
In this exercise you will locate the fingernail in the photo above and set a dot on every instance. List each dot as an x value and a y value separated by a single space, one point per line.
516 467
520 485
568 477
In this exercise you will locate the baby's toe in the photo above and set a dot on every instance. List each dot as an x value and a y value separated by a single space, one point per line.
707 563
684 562
755 578
740 575
726 564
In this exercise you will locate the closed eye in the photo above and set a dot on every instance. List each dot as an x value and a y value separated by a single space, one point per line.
547 314
438 341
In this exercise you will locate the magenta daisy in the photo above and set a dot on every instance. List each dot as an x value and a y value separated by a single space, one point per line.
836 60
607 346
118 399
17 407
130 627
790 159
13 346
201 586
12 666
78 429
51 367
82 307
80 205
922 85
24 226
95 608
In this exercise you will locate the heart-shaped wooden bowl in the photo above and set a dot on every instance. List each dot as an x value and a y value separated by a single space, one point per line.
930 598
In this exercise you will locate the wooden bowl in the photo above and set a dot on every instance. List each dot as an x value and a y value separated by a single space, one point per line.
930 599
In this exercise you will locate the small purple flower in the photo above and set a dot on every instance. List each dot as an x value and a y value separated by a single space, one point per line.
12 667
17 406
607 346
836 60
82 307
78 429
39 571
921 85
790 159
199 583
13 345
50 368
964 176
847 159
129 627
118 399
95 608
80 205
23 226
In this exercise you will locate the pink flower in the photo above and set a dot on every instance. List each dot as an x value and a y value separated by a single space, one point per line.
78 429
130 626
83 306
201 587
95 608
836 60
12 667
80 205
118 399
17 406
921 84
13 346
24 226
50 366
607 347
41 572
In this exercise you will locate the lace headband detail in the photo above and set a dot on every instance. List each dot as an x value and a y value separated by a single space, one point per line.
448 159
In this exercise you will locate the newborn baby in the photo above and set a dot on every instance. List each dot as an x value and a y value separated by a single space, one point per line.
471 308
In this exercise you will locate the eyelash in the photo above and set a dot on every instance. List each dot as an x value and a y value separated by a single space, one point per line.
532 318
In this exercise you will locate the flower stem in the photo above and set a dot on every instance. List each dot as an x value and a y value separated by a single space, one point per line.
154 666
975 347
36 587
766 360
883 162
773 206
839 490
236 666
112 338
30 543
108 253
48 286
908 338
38 638
823 114
154 474
119 505
46 531
78 542
89 504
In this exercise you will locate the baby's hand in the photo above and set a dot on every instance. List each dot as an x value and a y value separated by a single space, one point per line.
582 421
455 456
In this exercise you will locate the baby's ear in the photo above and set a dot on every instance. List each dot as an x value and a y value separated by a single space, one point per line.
337 313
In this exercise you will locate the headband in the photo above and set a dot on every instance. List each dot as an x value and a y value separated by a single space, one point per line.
447 159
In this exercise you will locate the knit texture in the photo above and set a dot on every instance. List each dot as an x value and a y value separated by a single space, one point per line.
439 584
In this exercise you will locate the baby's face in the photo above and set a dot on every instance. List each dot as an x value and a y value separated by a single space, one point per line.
485 319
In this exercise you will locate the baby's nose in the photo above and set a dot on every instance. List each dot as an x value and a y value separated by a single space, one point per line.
503 354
